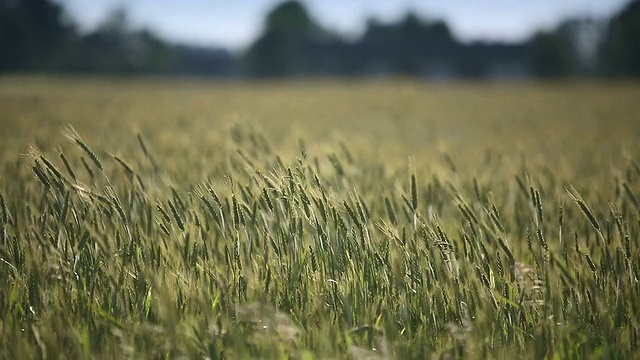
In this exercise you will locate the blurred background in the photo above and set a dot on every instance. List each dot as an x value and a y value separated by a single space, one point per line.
435 40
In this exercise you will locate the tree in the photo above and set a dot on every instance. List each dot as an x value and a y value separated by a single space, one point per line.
283 48
551 55
408 47
585 36
33 33
620 52
117 48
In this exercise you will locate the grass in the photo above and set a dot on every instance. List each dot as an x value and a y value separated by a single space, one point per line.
159 219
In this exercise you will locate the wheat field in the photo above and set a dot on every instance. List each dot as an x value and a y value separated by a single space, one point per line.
178 218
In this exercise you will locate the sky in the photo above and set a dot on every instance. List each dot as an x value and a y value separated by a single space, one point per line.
233 24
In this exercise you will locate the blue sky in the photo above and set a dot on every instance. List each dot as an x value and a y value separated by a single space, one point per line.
235 23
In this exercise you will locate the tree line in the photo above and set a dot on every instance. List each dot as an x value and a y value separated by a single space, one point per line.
38 36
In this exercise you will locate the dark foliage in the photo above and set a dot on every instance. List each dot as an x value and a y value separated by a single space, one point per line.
36 35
